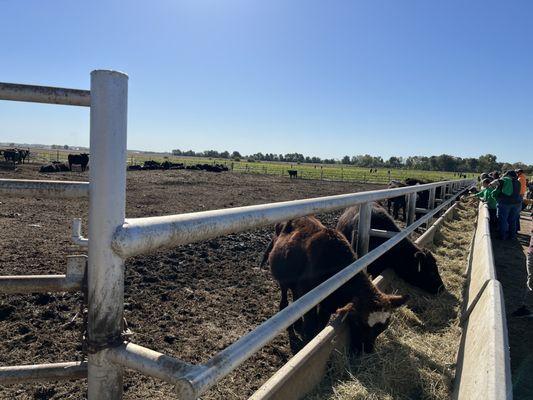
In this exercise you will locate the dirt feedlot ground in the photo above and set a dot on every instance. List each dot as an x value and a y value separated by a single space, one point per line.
188 302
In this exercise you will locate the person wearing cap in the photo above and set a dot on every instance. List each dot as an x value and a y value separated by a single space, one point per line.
523 184
507 194
486 194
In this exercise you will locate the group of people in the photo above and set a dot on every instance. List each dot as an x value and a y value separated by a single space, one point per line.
506 198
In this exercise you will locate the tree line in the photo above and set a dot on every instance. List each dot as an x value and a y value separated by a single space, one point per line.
444 162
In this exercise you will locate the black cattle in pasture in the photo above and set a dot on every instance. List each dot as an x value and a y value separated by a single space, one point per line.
208 167
55 167
16 155
304 253
81 159
398 202
151 164
24 154
410 262
170 165
293 173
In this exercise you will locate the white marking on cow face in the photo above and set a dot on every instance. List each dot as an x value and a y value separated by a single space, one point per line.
378 316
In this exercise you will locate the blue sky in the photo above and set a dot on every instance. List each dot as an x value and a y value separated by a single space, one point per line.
324 78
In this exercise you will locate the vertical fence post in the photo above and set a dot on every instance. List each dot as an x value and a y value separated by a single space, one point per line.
411 208
363 229
431 204
107 195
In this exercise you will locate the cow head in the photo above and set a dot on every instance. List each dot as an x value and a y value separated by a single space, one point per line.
426 273
367 319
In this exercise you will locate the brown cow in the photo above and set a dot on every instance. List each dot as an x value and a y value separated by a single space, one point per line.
304 253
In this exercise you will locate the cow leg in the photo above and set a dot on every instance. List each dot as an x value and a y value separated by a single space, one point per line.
310 325
284 301
395 209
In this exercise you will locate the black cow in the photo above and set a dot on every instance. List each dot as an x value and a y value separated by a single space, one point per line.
293 173
78 159
23 154
413 264
304 253
56 166
398 202
13 155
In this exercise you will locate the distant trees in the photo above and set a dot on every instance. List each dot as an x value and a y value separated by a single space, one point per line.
443 162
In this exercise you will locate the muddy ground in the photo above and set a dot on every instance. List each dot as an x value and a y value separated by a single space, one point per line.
188 302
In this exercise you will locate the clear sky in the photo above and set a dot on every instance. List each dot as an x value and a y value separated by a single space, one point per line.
325 78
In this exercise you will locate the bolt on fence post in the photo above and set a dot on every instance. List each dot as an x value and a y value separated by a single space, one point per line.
107 199
411 208
363 229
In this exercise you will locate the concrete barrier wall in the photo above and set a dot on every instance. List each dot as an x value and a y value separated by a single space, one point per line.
483 362
482 267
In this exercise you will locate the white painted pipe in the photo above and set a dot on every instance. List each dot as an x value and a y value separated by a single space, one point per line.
154 364
76 236
45 94
39 284
195 381
284 380
73 281
38 188
411 208
234 355
43 372
363 229
141 235
107 201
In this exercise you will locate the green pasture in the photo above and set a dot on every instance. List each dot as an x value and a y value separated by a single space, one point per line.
333 172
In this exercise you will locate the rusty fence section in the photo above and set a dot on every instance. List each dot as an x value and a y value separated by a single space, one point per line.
112 238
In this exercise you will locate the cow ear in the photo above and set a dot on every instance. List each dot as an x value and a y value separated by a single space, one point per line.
397 300
278 228
344 311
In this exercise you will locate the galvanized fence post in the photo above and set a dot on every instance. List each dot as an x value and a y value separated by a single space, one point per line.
431 204
107 199
363 229
411 208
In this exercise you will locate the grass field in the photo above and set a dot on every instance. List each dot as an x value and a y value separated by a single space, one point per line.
335 172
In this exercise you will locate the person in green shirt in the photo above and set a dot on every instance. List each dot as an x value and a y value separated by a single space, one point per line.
507 195
487 195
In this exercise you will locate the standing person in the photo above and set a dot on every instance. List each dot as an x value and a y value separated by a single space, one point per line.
526 309
486 194
507 194
523 184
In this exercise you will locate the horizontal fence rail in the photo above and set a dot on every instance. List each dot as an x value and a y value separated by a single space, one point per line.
201 378
45 94
42 188
140 235
43 372
112 238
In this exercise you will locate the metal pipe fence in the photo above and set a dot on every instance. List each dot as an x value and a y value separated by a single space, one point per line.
112 238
